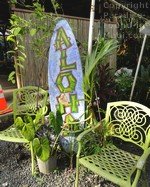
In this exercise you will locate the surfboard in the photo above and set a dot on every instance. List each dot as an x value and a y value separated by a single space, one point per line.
65 75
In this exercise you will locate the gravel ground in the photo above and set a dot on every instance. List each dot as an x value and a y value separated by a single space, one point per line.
15 171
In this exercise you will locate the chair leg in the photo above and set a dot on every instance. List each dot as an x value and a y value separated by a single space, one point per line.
136 179
145 181
77 173
32 158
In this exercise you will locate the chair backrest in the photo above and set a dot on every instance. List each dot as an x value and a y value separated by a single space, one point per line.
129 121
27 100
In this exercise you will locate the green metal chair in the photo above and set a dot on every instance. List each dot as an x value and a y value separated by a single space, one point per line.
130 122
26 101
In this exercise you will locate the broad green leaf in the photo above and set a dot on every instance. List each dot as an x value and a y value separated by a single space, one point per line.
13 1
28 131
13 81
56 122
42 148
12 74
19 123
37 146
45 148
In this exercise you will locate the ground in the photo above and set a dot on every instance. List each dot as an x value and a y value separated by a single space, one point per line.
15 171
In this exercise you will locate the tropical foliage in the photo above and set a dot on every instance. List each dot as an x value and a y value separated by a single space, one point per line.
29 128
101 50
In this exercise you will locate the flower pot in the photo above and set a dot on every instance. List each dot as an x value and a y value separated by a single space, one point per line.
47 166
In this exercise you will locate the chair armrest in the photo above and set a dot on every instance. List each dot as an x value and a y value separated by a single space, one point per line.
86 132
142 159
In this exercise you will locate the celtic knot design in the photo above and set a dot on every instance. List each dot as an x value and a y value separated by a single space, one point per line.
29 100
129 122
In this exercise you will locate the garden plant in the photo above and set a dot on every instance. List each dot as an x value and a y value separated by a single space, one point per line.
43 136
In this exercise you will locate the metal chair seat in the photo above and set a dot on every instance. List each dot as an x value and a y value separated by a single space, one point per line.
112 163
12 135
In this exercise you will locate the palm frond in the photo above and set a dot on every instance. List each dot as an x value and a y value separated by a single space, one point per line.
101 50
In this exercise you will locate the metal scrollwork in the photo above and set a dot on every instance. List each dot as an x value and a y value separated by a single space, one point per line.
129 122
29 100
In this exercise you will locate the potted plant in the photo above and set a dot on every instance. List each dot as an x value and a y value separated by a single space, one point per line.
44 145
52 130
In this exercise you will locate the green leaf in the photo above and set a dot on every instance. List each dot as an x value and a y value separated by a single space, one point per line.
32 32
23 54
13 1
55 123
13 81
41 148
21 47
52 119
37 147
11 38
11 77
38 119
87 95
19 123
28 131
59 122
20 58
39 116
45 148
27 119
20 65
16 31
102 49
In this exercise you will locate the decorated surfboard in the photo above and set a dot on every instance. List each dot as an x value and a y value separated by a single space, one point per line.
65 74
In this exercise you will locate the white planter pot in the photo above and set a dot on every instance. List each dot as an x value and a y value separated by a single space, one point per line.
47 166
